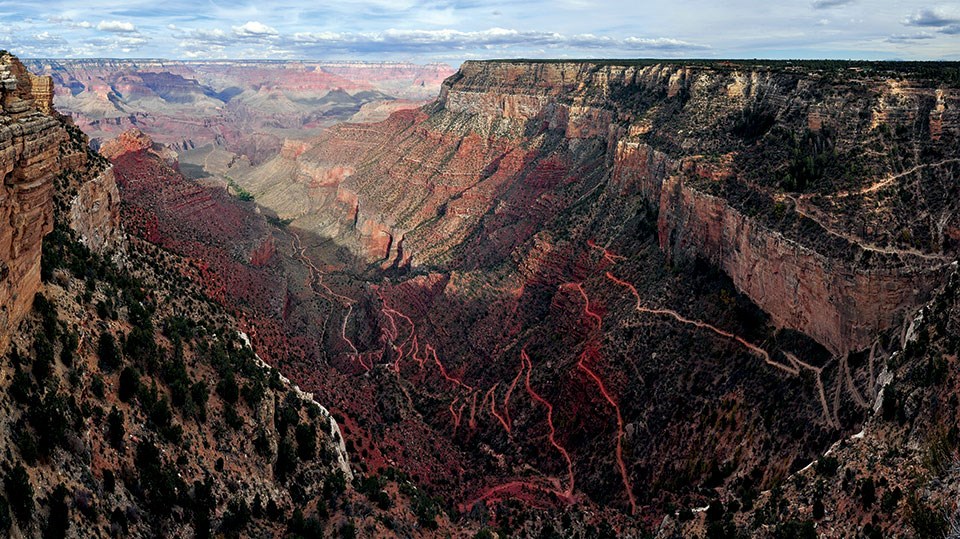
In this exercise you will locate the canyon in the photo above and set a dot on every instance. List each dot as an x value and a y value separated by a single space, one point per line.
246 108
606 297
531 190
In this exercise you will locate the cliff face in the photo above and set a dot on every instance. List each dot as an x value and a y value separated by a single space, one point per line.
804 280
837 260
180 429
671 257
38 148
29 147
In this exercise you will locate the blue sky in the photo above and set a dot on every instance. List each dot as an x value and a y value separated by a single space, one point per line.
455 30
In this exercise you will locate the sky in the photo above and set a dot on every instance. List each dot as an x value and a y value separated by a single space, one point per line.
451 31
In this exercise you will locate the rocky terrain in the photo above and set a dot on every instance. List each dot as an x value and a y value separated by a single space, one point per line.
587 273
132 404
245 108
575 299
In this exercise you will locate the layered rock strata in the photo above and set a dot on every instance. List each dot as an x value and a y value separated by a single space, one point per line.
37 148
719 151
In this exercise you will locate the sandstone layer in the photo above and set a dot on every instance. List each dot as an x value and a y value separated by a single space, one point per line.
37 149
29 147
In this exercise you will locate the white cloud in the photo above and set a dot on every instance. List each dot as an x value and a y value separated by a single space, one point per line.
255 30
118 27
909 38
493 38
827 4
68 22
48 38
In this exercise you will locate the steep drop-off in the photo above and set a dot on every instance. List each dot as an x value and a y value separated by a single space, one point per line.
685 138
38 149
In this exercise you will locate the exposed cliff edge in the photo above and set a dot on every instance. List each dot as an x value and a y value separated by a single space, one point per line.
38 147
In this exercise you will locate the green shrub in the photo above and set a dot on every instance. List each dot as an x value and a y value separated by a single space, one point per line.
19 493
129 384
115 428
108 353
306 435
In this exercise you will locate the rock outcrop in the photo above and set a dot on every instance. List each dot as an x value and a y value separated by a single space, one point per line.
37 148
95 213
29 147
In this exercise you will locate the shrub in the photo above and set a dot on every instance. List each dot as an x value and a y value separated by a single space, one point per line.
286 460
19 493
97 387
107 352
43 362
129 384
868 492
115 429
58 519
5 521
51 419
926 521
795 529
827 466
227 388
306 435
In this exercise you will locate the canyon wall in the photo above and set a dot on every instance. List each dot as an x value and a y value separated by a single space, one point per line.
842 304
841 295
701 144
36 148
29 147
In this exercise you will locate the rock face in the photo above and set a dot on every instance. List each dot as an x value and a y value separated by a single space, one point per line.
683 137
843 304
605 284
660 251
29 147
37 146
95 213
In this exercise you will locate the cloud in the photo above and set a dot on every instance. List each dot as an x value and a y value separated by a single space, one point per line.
938 17
68 22
910 38
953 29
827 4
201 35
493 38
117 27
254 30
47 38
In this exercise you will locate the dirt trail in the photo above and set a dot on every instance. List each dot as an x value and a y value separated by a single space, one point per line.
876 186
553 431
582 365
806 209
316 277
756 350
